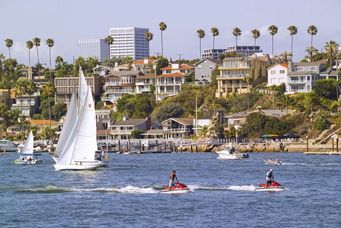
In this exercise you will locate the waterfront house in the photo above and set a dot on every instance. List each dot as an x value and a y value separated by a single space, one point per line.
28 105
102 119
168 84
234 73
203 71
302 76
178 127
118 83
278 74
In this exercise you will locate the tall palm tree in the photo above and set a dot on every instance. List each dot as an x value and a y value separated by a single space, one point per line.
36 42
312 30
9 44
163 27
236 32
29 45
149 36
255 35
293 31
331 49
50 43
273 29
201 34
59 61
109 40
215 32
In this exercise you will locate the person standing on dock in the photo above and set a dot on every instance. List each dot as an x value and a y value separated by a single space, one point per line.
172 179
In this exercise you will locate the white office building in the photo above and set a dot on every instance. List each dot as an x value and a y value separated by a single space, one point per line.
129 42
95 48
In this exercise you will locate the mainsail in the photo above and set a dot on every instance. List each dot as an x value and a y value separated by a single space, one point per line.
28 145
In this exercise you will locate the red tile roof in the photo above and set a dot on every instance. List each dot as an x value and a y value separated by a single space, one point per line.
181 67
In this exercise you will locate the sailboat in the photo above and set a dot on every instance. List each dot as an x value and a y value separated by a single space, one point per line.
27 157
77 144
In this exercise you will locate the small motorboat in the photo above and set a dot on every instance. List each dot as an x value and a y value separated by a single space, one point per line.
178 187
273 162
230 154
274 186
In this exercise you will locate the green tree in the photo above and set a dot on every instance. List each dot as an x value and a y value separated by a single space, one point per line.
293 31
9 44
148 36
331 48
312 31
58 110
50 44
29 46
311 52
215 32
255 35
109 40
59 61
168 110
137 134
201 35
162 62
163 27
273 29
36 41
236 32
321 123
327 88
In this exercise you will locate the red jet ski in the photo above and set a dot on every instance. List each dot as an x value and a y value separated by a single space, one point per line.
274 186
178 187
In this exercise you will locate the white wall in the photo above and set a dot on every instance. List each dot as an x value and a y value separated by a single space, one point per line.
277 75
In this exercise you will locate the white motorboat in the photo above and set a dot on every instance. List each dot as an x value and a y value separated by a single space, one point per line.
273 162
77 143
7 146
27 157
230 154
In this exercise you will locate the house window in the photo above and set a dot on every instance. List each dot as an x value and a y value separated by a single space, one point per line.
308 78
282 71
273 72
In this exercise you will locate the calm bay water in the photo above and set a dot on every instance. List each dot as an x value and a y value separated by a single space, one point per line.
126 194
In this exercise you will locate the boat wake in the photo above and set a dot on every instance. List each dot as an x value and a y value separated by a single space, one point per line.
223 188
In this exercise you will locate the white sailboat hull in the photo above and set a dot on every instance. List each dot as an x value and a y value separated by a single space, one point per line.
81 165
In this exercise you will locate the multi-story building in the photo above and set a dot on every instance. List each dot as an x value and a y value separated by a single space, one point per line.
95 48
145 83
212 53
124 128
234 75
302 76
65 86
146 65
204 69
118 83
244 50
129 42
28 105
278 74
177 127
102 119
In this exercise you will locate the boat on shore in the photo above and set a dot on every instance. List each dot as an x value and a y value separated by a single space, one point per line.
27 156
230 153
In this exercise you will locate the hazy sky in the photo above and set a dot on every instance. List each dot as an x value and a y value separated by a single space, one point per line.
66 21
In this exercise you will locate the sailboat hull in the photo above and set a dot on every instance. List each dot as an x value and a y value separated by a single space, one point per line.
81 165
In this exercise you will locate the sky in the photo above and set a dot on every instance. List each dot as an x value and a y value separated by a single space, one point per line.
67 21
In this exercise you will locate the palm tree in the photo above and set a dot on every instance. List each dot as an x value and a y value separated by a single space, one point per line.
255 36
50 43
9 44
293 31
312 30
163 27
236 32
215 32
109 40
273 29
331 49
59 61
36 42
201 34
29 45
311 52
149 36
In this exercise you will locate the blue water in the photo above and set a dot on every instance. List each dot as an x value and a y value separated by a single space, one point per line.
126 194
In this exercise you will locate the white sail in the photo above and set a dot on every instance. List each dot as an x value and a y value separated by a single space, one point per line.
28 145
82 90
86 144
70 121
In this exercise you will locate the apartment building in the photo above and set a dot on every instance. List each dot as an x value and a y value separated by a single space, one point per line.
95 48
212 53
234 73
244 51
129 42
65 86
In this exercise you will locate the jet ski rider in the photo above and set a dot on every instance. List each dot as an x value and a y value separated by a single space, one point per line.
269 177
172 179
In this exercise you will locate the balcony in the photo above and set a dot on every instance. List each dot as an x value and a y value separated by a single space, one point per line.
298 81
110 91
112 84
